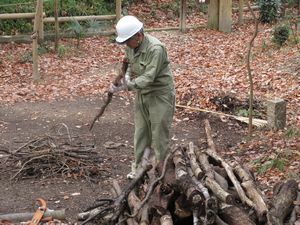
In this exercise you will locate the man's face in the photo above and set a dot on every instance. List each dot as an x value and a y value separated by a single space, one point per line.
134 41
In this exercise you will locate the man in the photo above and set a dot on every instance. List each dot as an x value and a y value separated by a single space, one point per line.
149 75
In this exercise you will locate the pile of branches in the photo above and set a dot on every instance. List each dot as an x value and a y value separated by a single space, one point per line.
195 187
50 155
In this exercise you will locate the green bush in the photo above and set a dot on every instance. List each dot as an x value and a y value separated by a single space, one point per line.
268 10
65 8
281 34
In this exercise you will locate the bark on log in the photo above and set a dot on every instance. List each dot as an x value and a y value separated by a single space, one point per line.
221 181
282 202
185 182
232 177
182 207
145 215
211 144
166 220
252 192
210 216
235 216
203 160
296 210
180 164
116 191
199 185
21 217
217 190
193 161
219 221
117 206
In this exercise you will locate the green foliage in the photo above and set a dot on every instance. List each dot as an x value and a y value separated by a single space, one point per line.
268 10
245 112
61 51
11 26
96 25
65 8
77 29
26 57
266 163
292 132
281 34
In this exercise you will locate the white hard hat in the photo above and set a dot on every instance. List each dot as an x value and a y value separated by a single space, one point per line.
126 27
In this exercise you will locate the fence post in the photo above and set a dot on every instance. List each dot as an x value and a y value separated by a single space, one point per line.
35 38
225 15
213 15
241 12
41 23
182 24
56 24
118 9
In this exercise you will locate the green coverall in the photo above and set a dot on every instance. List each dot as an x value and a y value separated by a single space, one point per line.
152 80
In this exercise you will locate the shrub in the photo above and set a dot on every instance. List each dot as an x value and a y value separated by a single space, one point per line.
268 10
281 34
65 8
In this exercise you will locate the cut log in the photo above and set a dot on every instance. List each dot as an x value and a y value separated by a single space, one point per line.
221 181
145 215
193 161
116 191
219 221
252 192
282 202
203 160
21 217
199 185
217 190
232 177
211 144
235 216
116 207
296 210
166 220
180 164
182 207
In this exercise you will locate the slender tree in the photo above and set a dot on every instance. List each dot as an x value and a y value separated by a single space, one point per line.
249 69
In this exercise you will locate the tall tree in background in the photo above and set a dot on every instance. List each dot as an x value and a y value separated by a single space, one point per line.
249 69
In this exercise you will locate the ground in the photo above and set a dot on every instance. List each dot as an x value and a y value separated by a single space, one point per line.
23 122
205 63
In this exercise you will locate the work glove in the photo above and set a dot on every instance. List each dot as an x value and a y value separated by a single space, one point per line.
130 84
114 89
127 78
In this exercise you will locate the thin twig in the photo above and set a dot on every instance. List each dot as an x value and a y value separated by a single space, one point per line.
38 157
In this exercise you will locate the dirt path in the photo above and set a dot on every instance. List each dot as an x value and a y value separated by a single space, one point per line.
25 121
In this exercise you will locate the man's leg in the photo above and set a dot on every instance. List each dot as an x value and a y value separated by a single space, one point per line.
142 134
161 117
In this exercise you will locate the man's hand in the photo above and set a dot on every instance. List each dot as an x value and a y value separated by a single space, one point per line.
114 89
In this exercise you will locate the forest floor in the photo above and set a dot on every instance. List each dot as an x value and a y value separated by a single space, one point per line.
207 65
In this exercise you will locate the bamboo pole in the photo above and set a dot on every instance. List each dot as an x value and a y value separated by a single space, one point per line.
7 16
79 18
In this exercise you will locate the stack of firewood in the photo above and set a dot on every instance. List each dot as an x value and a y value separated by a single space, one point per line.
195 187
